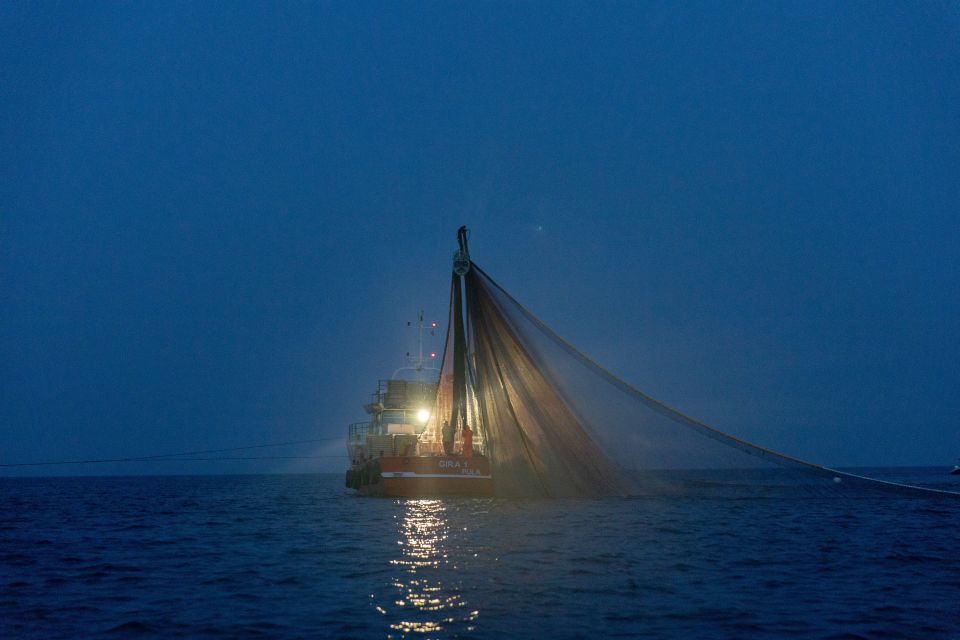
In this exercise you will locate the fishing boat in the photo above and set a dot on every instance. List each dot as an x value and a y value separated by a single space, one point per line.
956 468
418 440
515 410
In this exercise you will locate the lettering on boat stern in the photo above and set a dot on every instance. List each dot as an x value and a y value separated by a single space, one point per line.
464 466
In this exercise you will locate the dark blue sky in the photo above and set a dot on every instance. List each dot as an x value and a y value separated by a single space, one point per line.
216 219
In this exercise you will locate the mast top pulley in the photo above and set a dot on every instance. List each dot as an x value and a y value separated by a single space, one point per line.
461 259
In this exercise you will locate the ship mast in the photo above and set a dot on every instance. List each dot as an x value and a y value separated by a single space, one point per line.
461 266
418 364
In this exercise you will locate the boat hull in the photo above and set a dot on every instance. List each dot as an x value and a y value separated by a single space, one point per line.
423 477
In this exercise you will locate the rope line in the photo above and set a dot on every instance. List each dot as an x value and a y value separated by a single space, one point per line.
178 456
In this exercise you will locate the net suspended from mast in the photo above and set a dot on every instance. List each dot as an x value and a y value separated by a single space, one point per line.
554 423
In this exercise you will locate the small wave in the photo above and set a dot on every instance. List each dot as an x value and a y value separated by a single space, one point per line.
132 626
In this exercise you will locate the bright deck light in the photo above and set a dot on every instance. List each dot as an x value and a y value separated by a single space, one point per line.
423 415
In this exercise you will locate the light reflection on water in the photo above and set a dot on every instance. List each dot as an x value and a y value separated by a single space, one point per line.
427 597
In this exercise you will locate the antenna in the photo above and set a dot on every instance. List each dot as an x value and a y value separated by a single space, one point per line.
420 342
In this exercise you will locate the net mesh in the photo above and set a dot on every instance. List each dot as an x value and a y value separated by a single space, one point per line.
557 424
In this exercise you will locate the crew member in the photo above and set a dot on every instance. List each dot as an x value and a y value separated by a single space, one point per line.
467 434
447 432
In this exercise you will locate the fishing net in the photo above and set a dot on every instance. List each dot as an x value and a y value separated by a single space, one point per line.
555 423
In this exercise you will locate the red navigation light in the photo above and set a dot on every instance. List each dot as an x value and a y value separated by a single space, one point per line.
433 354
433 324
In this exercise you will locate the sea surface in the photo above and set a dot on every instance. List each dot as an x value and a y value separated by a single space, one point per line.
298 556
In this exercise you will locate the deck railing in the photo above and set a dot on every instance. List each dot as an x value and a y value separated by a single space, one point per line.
357 432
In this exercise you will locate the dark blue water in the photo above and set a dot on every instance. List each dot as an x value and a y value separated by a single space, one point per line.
297 556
